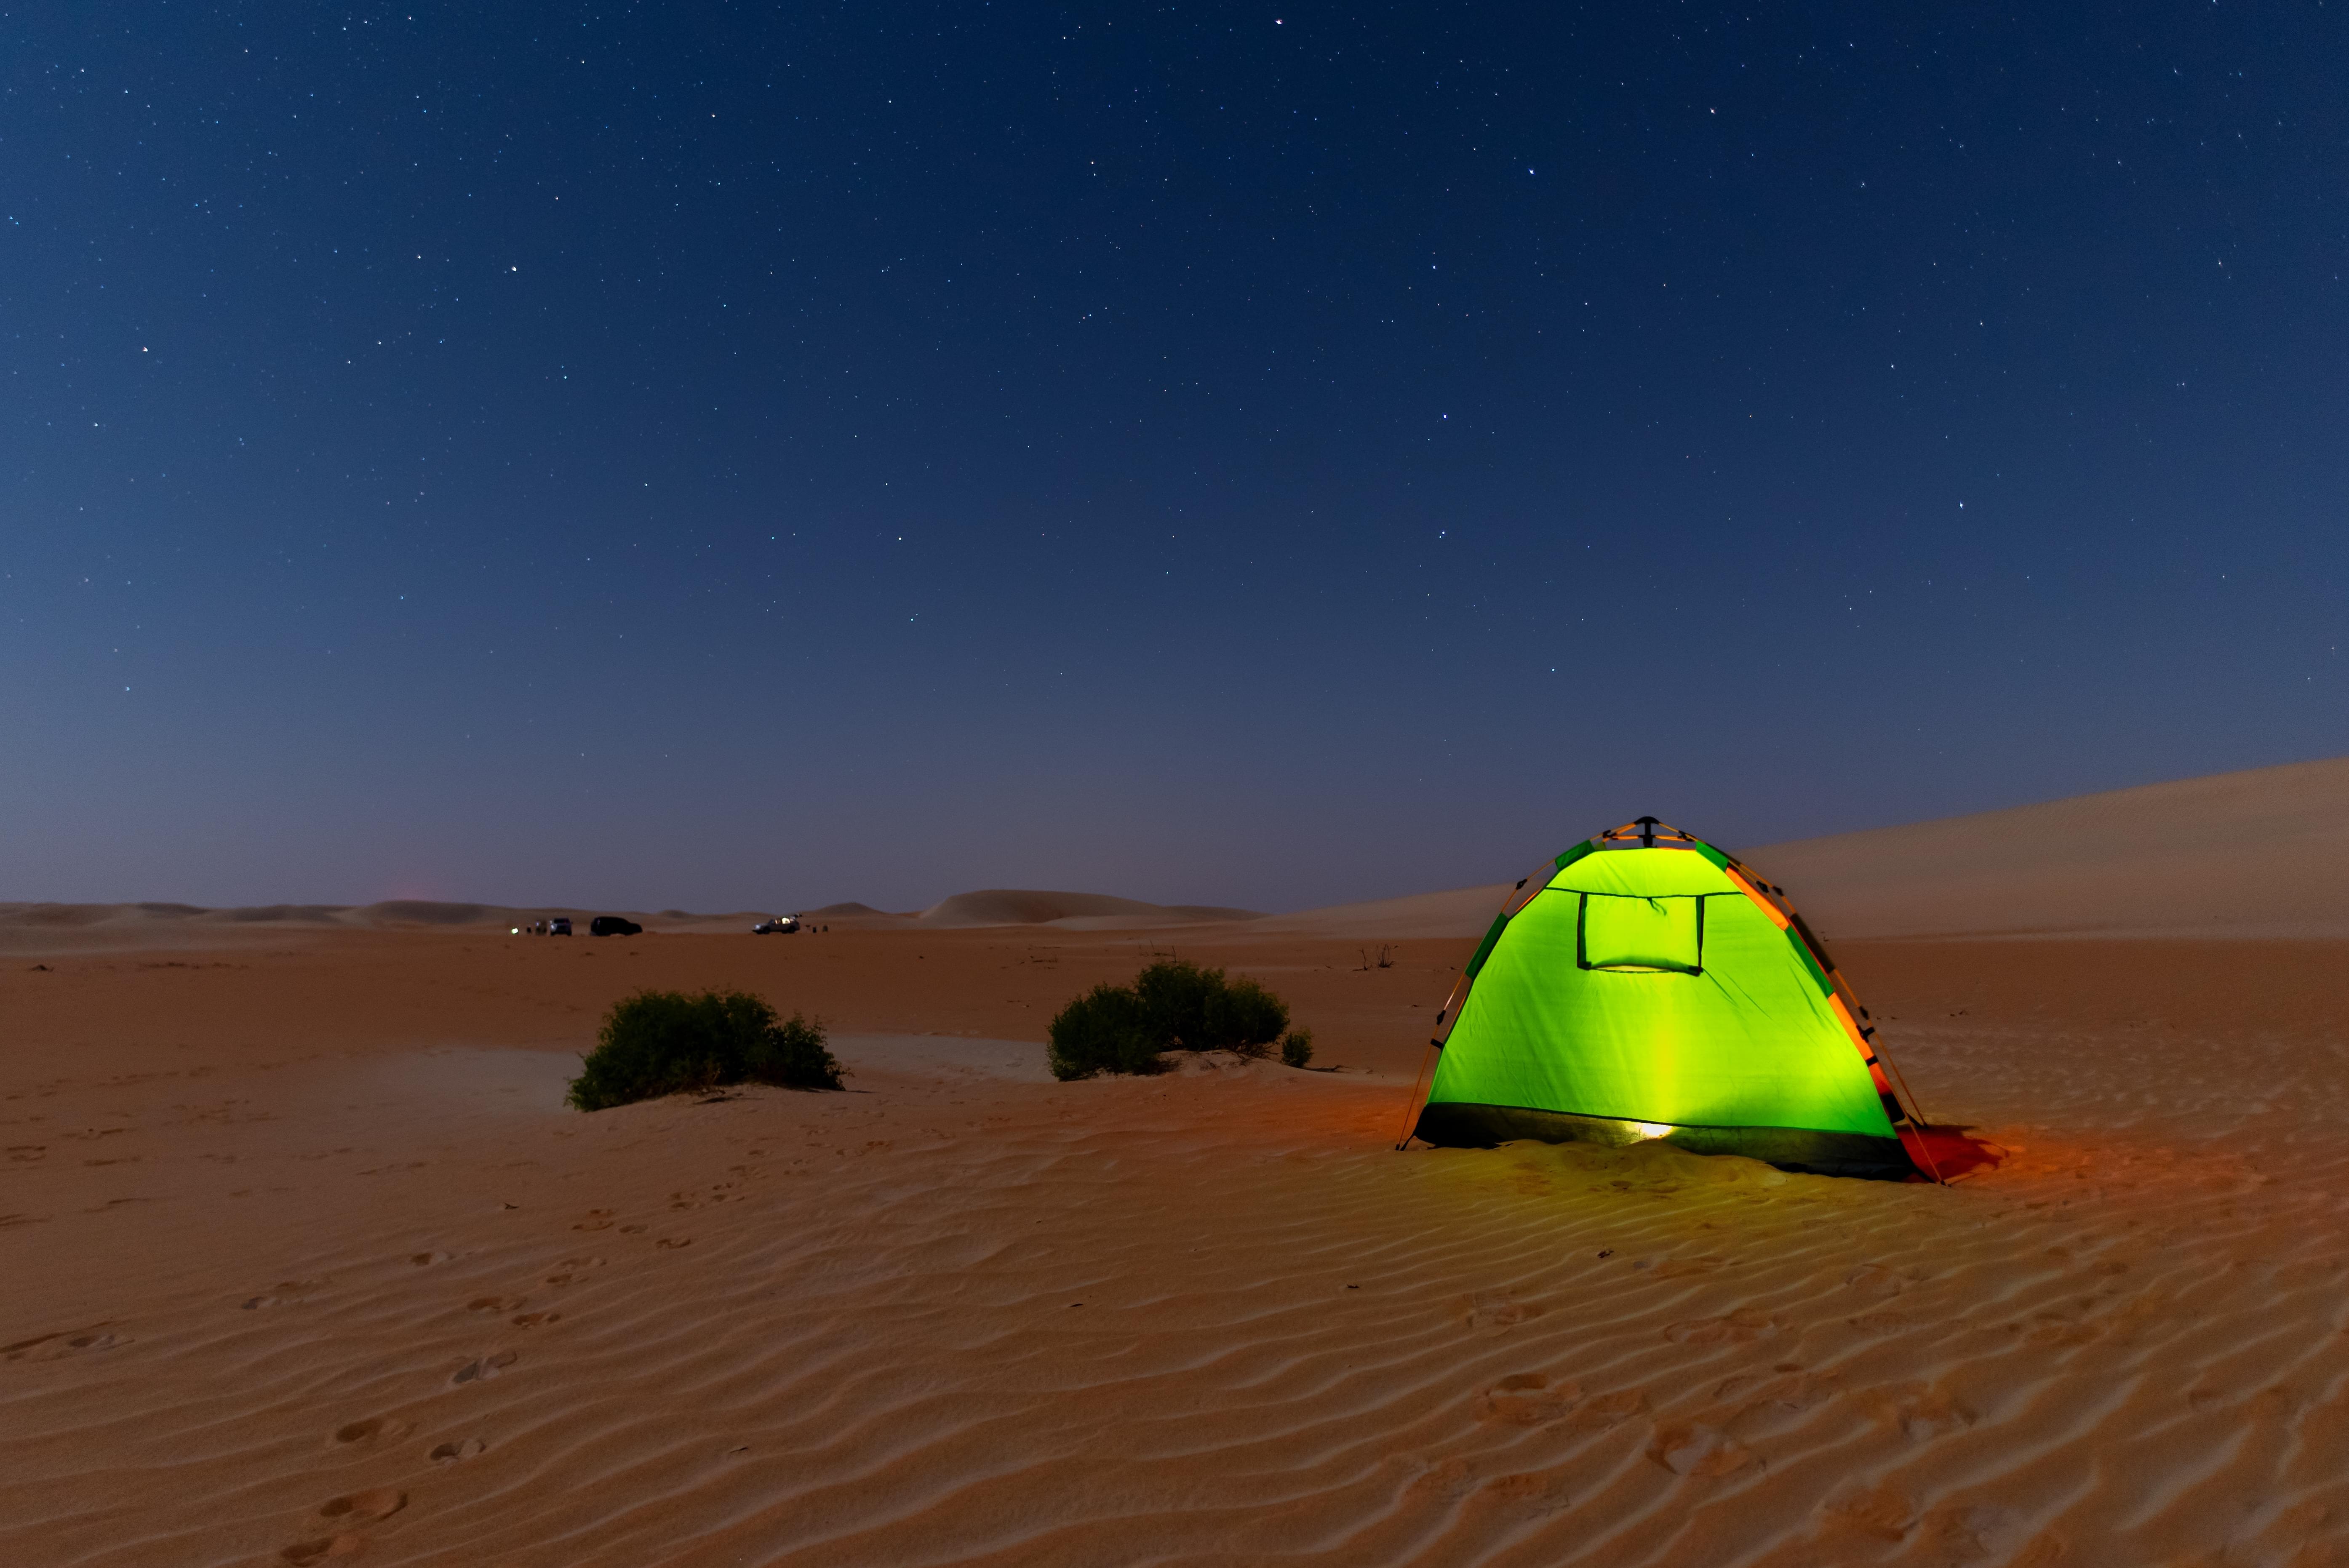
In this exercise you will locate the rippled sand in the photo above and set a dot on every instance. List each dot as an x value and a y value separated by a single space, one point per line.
304 1259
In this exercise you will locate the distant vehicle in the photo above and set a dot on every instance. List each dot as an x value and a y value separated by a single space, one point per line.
781 925
613 925
559 926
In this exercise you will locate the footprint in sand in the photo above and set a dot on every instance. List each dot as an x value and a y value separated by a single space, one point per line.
1692 1449
1609 1411
494 1303
1531 1493
1446 1481
487 1367
426 1260
302 1554
669 1243
571 1268
1743 1326
1917 1411
364 1507
281 1293
55 1347
1883 1512
1527 1400
1978 1531
1495 1309
1786 1389
534 1319
445 1453
1876 1280
634 1230
373 1432
596 1220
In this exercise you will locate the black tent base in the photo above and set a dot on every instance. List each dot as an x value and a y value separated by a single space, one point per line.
1796 1149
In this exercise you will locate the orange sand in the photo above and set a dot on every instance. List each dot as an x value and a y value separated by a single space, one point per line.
302 1258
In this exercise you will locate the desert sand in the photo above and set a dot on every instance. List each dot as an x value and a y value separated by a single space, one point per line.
305 1261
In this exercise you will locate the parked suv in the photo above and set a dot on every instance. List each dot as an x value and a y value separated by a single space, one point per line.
779 925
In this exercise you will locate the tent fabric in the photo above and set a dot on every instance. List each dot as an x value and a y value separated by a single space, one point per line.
1660 989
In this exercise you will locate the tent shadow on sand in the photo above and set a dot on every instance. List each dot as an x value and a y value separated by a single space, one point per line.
1955 1153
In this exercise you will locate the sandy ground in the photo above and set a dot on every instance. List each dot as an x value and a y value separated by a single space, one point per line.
303 1257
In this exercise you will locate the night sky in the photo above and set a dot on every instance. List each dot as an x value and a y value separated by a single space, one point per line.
756 456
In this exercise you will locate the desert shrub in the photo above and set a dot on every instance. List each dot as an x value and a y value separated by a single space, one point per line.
1177 1000
1102 1031
666 1042
1189 1008
1297 1048
1245 1017
1171 1005
793 1054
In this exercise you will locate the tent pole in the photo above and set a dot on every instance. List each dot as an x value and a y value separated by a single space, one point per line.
1412 1103
1916 1108
1916 1112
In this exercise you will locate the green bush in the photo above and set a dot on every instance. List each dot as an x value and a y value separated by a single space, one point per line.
1171 1005
1297 1048
1177 1000
1245 1017
1102 1031
666 1042
1188 1009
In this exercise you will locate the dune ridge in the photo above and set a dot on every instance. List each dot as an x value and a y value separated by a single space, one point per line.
33 929
2259 853
2262 852
1084 911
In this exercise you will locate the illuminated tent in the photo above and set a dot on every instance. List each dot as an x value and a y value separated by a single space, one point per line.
1644 984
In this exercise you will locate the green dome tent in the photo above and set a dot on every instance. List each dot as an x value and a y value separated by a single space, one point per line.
1644 984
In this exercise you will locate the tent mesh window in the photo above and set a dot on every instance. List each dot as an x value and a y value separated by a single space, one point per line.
1628 936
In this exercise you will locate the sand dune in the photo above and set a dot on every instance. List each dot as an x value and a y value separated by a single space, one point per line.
1460 912
2258 853
1015 906
1083 911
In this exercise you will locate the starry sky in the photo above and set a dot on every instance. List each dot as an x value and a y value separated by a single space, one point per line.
732 456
